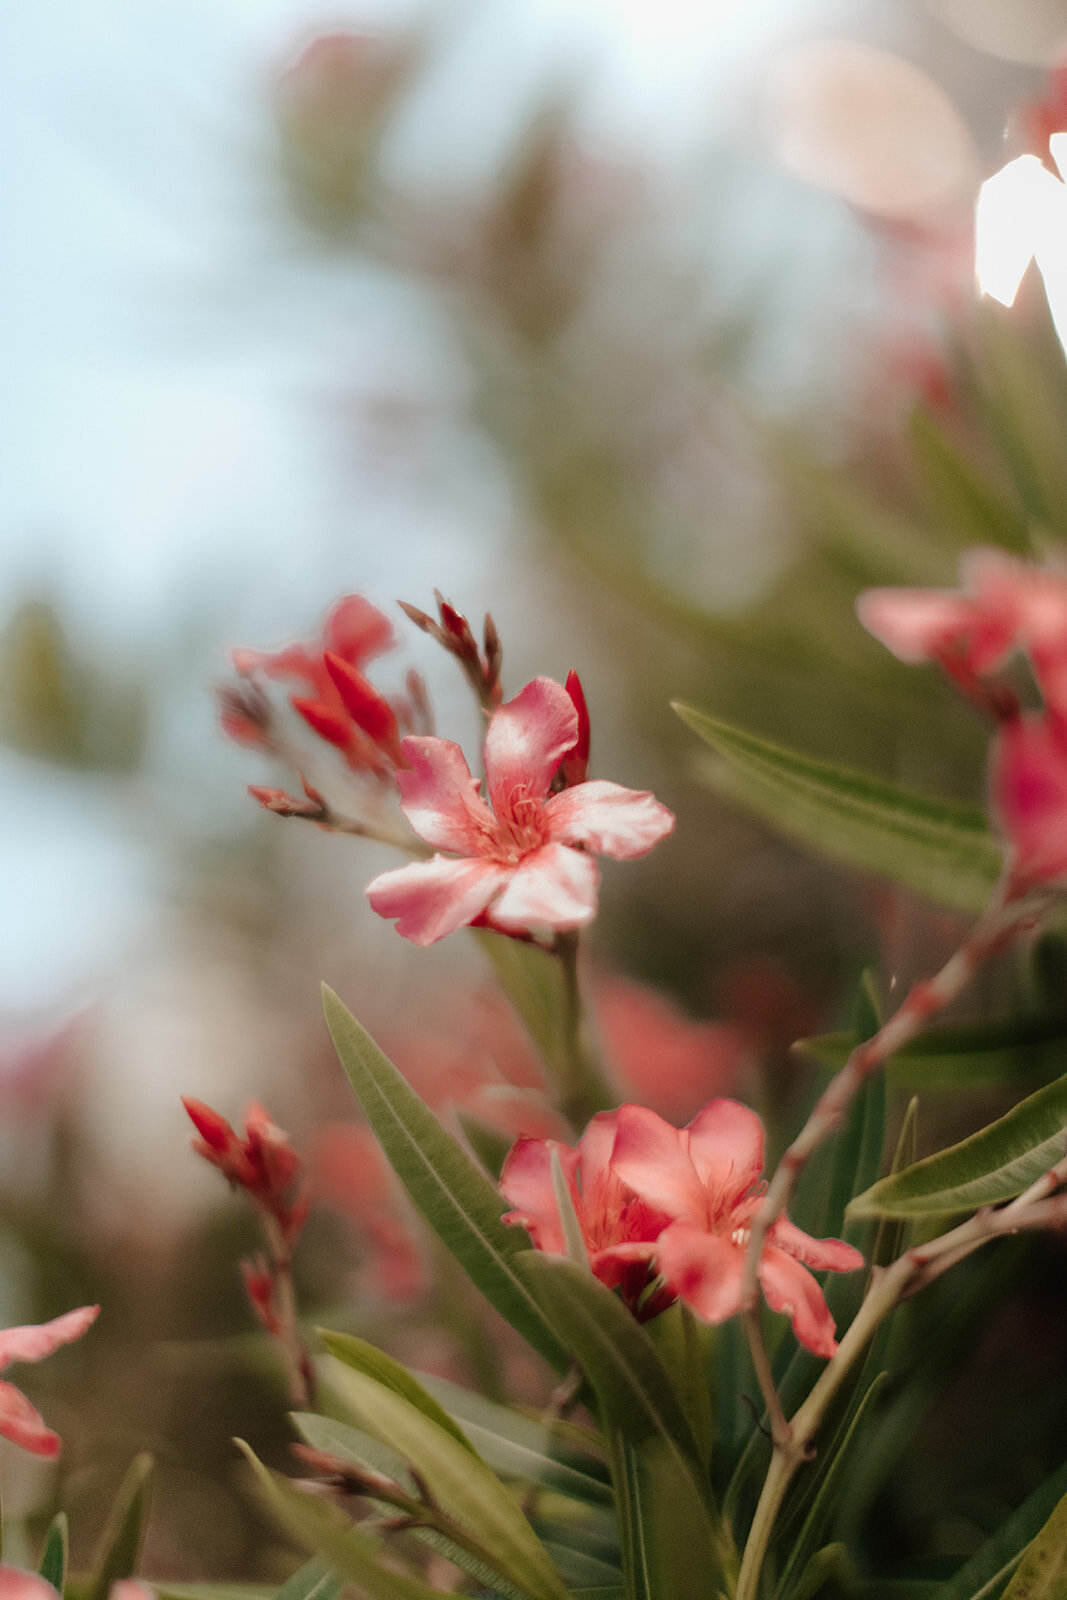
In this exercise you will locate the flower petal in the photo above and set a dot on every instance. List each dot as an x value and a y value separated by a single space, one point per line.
433 898
922 624
613 821
23 1424
526 741
825 1255
650 1156
790 1287
357 631
526 1180
703 1269
35 1342
440 798
1029 791
553 887
18 1585
725 1143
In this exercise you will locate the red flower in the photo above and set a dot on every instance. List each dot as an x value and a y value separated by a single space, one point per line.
19 1420
521 860
619 1228
706 1178
263 1163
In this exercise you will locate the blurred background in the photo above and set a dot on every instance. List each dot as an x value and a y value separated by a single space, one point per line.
650 327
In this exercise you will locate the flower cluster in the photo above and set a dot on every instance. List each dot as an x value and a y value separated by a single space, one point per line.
1005 607
523 858
21 1422
665 1214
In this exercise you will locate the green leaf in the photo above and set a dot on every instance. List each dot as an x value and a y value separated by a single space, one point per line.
516 1446
890 1233
363 1357
321 1528
352 1445
533 981
1042 1573
663 1498
458 1480
983 1577
973 511
220 1591
827 1563
53 1566
995 1164
488 1143
313 1581
934 847
455 1197
119 1549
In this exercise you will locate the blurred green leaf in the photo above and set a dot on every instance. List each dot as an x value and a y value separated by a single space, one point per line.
350 1444
1042 1572
53 1566
457 1479
120 1544
827 1563
965 503
995 1164
488 1143
934 847
320 1527
313 1581
455 1196
959 1055
363 1357
983 1577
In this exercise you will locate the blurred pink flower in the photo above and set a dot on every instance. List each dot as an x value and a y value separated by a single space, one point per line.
705 1178
15 1584
21 1422
521 860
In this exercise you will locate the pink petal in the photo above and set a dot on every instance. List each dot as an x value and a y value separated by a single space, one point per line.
18 1585
357 631
825 1255
651 1158
526 741
922 624
34 1342
553 887
662 1057
595 1149
433 898
368 709
23 1424
790 1287
440 798
725 1142
613 821
703 1269
613 1263
1029 792
526 1180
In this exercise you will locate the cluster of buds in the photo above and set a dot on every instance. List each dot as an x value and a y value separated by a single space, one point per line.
333 697
480 665
267 1168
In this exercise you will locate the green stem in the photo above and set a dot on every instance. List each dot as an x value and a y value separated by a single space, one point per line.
582 1087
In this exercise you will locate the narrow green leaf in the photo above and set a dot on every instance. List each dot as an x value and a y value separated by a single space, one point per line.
934 847
53 1566
889 1235
517 1446
973 511
313 1581
573 1238
218 1591
960 1055
583 1571
995 1164
459 1481
983 1577
1042 1572
488 1143
119 1549
827 1563
533 981
363 1357
352 1445
321 1528
656 1464
455 1197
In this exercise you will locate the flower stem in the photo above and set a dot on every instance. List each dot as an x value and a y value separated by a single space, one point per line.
582 1088
297 1357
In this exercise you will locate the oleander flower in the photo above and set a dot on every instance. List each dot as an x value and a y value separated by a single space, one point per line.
706 1179
20 1421
263 1163
522 858
1005 607
619 1228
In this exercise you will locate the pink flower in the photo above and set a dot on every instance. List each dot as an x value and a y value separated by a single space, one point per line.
522 859
1029 789
619 1228
19 1420
706 1179
15 1584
